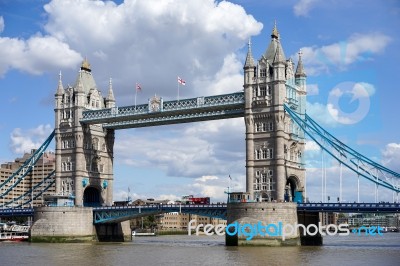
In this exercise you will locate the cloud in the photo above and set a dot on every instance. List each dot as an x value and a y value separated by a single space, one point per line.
312 89
391 156
322 114
311 146
22 141
151 42
303 7
199 149
338 56
36 55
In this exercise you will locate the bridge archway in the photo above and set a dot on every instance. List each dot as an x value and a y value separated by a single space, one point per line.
91 197
292 191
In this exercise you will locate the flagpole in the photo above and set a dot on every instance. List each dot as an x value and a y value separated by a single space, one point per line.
178 91
135 96
229 184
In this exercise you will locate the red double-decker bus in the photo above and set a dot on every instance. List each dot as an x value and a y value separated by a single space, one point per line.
190 199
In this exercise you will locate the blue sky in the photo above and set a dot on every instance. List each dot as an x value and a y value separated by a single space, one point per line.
205 42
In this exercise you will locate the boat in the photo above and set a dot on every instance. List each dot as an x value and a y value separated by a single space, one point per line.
134 233
13 236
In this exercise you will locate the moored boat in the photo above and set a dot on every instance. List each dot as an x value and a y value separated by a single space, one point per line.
13 236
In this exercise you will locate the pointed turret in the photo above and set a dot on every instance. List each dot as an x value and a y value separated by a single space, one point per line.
110 100
271 53
60 88
249 58
300 69
86 77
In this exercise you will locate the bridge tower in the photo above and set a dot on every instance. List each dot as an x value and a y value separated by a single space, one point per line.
84 153
274 144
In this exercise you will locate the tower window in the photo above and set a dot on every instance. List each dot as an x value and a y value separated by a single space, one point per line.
264 127
263 72
258 127
263 91
270 126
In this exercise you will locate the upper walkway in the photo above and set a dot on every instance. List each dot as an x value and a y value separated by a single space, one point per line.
157 112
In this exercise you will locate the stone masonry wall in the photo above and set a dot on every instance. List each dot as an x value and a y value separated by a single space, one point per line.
62 224
266 213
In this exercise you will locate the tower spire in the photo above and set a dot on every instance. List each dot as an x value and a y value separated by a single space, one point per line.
60 88
275 32
300 69
110 96
249 58
110 100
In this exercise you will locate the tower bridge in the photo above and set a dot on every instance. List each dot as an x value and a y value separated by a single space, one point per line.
273 105
86 122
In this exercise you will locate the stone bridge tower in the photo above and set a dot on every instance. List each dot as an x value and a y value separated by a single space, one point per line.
274 144
84 153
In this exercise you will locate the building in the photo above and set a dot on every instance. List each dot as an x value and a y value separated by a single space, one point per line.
328 218
275 169
175 221
84 166
44 166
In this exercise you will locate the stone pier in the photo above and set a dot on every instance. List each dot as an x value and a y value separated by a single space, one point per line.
257 214
307 218
74 224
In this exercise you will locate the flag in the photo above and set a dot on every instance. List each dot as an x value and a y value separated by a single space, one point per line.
138 88
181 81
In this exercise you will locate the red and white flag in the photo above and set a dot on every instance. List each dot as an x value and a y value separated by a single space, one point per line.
181 81
138 87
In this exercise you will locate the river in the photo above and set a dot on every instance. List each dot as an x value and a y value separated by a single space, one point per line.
205 250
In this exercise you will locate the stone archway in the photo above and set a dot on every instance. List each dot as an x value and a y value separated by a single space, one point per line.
292 191
91 197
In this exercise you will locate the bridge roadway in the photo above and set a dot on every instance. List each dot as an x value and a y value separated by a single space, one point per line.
114 214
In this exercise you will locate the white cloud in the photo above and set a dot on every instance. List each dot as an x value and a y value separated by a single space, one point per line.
358 47
152 42
303 7
322 114
199 149
1 24
391 156
22 141
205 178
312 89
312 146
36 55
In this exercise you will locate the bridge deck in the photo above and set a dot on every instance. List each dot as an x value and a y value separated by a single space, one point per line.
115 214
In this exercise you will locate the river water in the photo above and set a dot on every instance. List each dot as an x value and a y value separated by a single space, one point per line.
205 250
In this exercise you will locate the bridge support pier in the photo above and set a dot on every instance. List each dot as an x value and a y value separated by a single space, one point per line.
115 232
74 224
261 224
309 218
